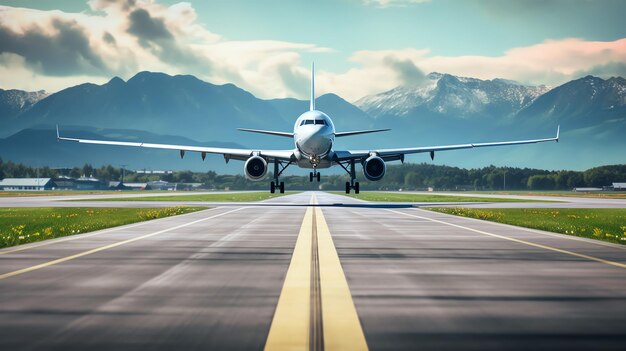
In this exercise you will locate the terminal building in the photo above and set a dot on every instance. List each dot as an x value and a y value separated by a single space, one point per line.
27 184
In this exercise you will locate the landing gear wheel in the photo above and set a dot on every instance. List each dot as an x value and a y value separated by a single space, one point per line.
356 187
310 176
282 187
347 187
272 187
318 177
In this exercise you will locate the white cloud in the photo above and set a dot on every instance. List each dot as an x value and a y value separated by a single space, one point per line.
122 37
392 3
552 62
54 49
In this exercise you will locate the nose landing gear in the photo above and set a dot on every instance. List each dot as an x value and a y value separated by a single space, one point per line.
314 174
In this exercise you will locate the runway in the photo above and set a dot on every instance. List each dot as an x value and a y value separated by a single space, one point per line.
404 279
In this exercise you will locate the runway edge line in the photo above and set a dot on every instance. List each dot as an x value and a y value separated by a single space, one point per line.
529 243
106 247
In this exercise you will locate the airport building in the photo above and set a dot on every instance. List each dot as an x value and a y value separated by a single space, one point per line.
27 184
619 186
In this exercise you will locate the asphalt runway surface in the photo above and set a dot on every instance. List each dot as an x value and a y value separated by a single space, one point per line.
343 275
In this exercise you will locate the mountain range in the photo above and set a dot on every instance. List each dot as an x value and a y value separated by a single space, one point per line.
445 109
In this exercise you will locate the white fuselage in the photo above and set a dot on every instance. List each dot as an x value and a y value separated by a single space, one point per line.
314 135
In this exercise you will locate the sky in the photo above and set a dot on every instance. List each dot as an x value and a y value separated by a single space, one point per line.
360 47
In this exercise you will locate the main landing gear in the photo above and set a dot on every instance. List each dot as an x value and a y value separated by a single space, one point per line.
314 174
277 172
351 184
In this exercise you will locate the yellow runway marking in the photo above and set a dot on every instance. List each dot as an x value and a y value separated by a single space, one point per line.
295 321
290 326
545 247
89 252
342 329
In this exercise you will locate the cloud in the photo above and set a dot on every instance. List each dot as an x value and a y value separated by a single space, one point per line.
58 49
406 71
122 37
552 62
53 49
392 3
146 28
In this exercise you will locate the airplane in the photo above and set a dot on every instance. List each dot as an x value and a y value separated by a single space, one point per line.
313 135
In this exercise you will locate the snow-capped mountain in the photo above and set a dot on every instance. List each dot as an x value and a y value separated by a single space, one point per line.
14 102
447 110
582 102
451 95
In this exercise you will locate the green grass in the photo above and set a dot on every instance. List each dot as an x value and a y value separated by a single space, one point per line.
405 197
26 225
561 193
602 224
71 192
217 197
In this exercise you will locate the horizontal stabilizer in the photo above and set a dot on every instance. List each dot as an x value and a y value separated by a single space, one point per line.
342 134
270 132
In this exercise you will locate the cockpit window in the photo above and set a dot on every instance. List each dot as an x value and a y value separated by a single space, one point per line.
313 121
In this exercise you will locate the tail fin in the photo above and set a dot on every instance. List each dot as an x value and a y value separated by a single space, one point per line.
312 86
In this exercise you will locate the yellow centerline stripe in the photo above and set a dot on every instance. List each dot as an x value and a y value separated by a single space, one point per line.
100 232
110 246
545 247
291 326
342 328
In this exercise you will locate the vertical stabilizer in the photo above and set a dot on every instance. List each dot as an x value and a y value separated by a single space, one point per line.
312 86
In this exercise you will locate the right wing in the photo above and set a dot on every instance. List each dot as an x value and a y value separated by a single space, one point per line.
398 154
342 134
235 154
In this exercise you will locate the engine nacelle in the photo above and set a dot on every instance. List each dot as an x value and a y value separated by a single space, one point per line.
374 168
255 168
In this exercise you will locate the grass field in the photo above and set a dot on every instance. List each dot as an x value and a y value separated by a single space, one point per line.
602 224
52 193
407 197
26 225
216 197
596 195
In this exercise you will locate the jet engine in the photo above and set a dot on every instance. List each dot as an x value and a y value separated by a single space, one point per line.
374 168
255 168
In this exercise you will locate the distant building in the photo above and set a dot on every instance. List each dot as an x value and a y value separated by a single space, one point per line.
143 171
116 185
27 184
65 183
136 186
90 183
587 189
619 186
161 185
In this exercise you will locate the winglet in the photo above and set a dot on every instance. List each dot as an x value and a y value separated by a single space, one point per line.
312 86
58 137
558 131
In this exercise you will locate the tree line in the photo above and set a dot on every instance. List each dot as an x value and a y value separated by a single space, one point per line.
406 176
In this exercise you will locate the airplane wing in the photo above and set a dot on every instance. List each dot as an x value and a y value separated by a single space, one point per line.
229 153
342 134
270 132
398 154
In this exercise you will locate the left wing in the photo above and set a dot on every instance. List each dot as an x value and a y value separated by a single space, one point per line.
235 154
398 154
